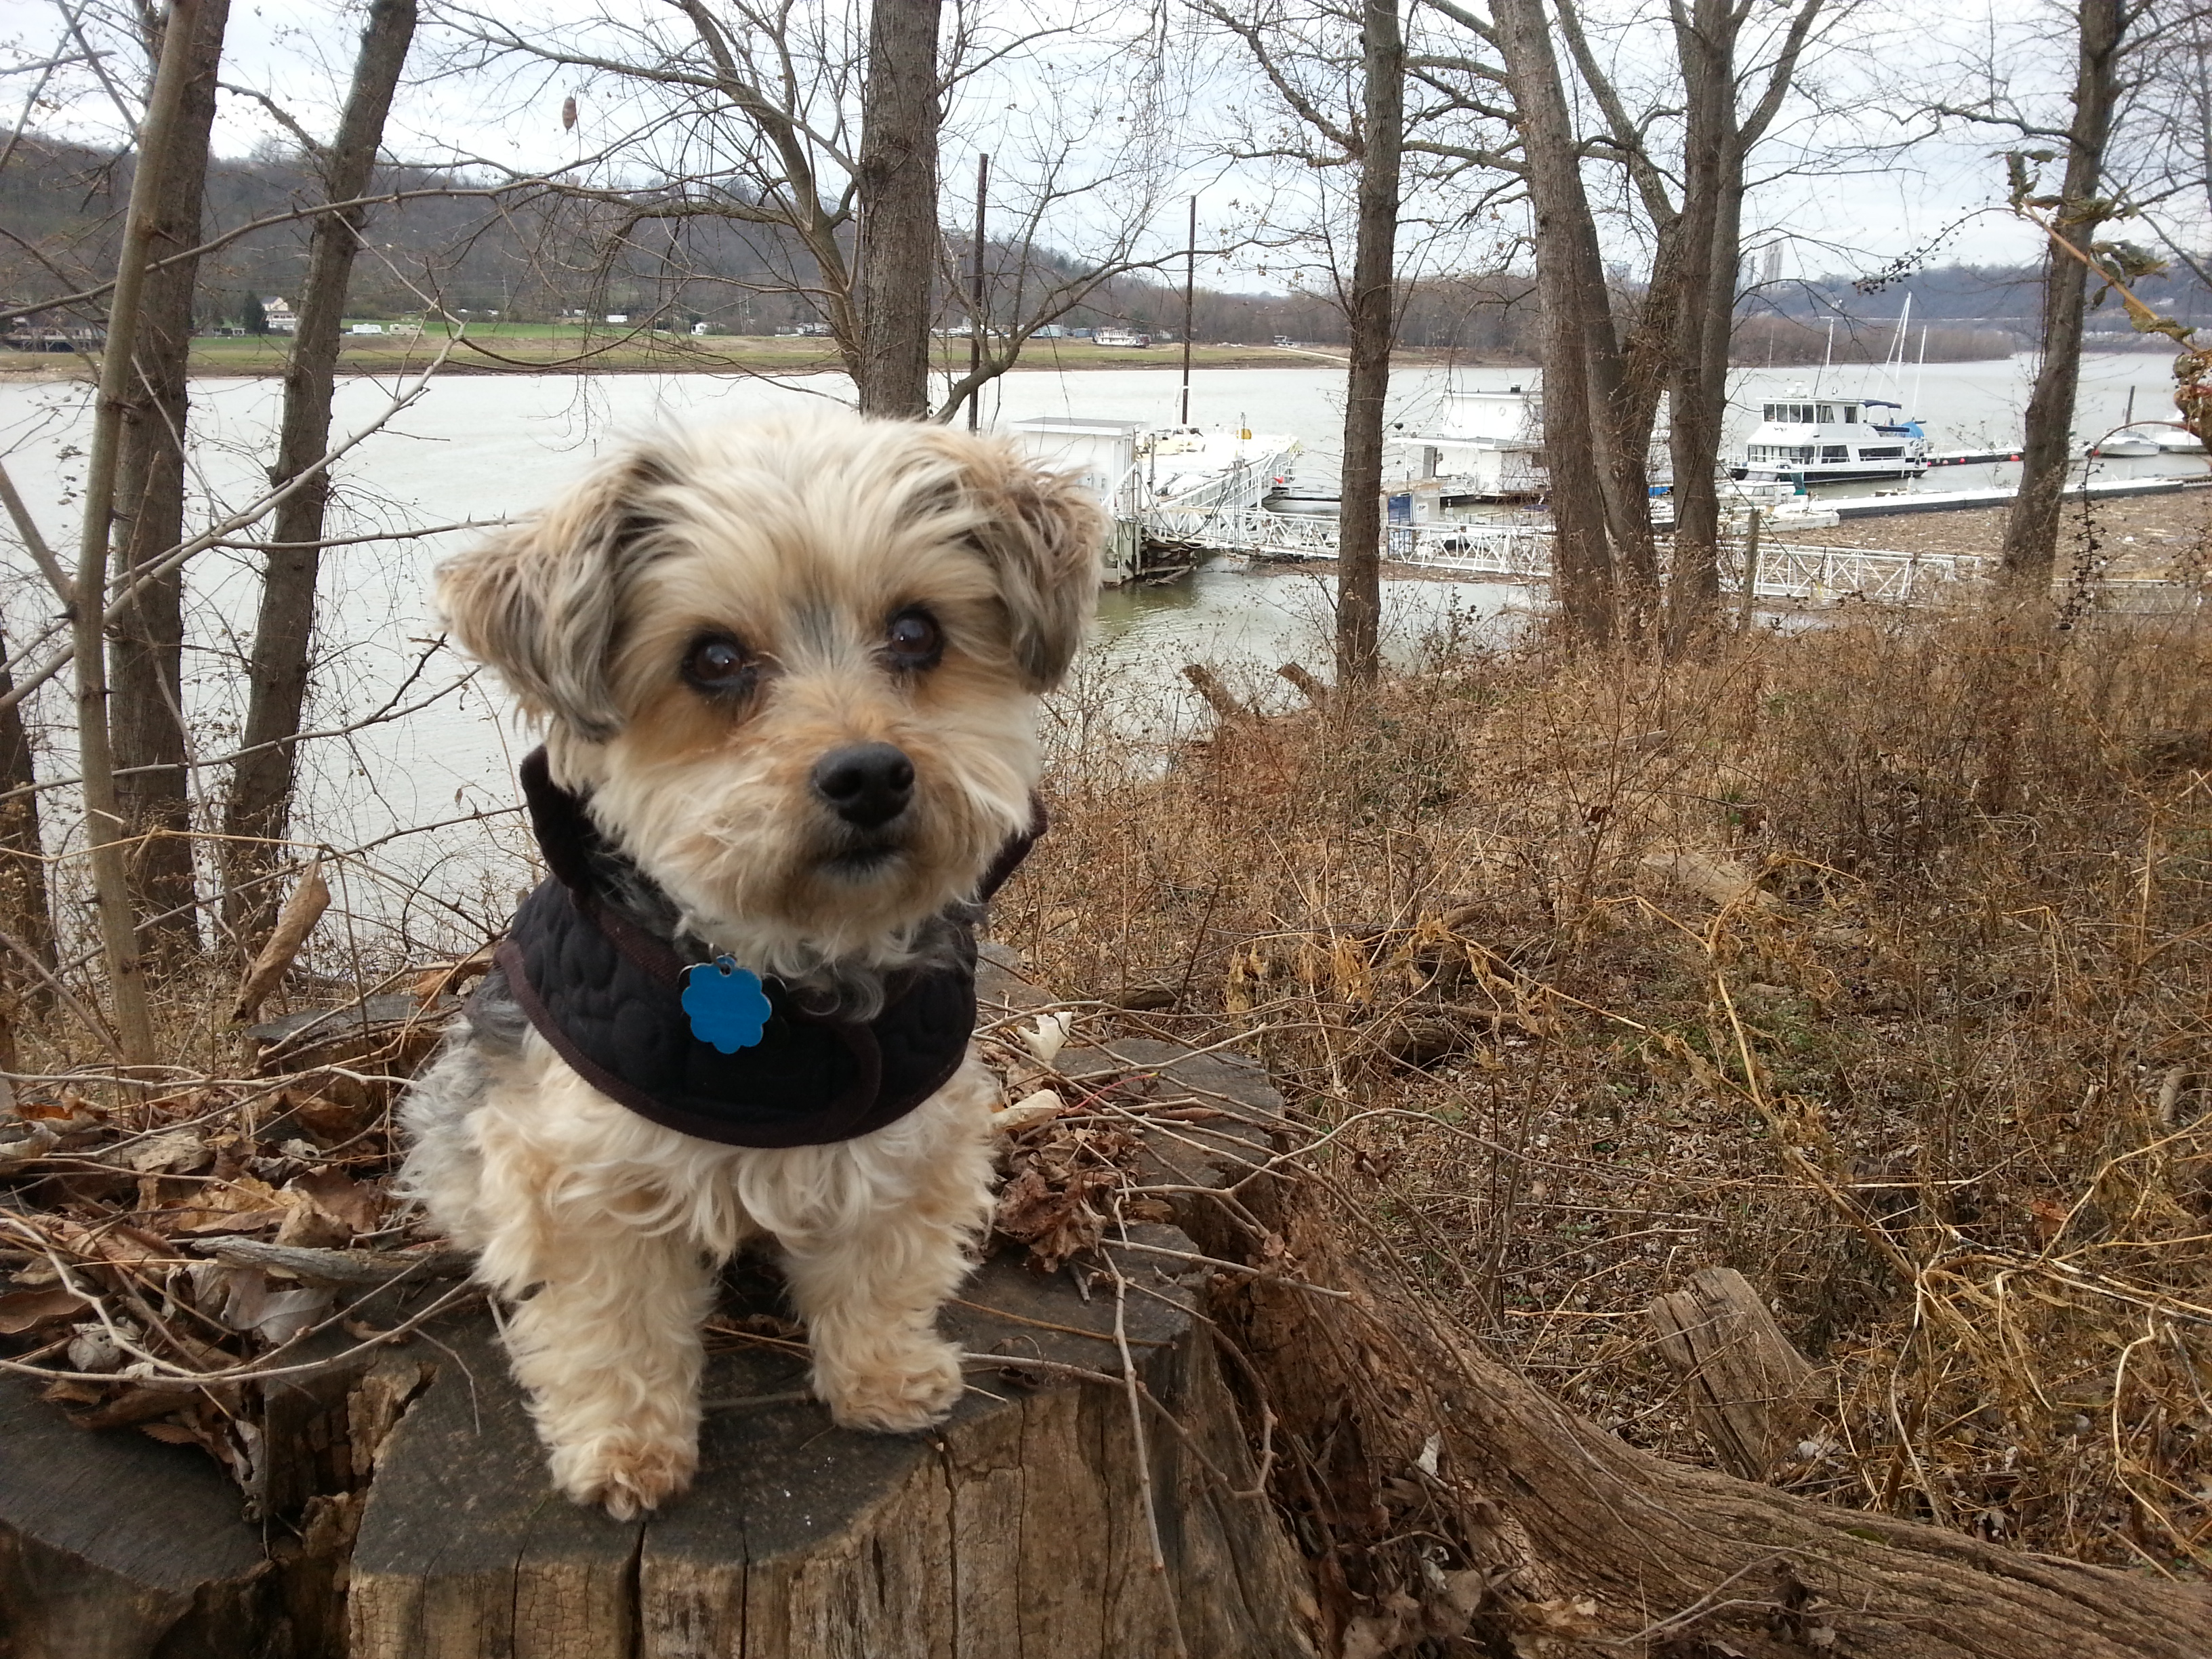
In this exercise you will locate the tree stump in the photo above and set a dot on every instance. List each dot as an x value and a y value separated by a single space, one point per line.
1016 1527
1750 1392
116 1547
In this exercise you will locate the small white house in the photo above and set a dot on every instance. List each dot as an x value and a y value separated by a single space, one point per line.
281 318
617 316
364 328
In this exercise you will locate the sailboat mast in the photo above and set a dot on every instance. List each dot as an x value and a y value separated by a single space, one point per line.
1897 346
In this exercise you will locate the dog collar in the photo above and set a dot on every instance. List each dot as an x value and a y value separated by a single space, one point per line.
616 999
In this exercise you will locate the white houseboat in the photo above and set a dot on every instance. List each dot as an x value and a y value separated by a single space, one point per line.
1489 447
1806 439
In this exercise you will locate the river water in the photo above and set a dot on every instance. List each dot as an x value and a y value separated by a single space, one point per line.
480 447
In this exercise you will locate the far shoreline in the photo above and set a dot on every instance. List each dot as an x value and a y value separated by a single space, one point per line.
765 356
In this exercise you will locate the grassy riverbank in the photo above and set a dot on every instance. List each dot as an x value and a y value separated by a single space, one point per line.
1871 961
542 349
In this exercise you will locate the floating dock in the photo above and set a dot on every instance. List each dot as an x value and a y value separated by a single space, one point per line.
1787 570
1960 500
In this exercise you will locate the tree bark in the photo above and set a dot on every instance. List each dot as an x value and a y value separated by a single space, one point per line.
259 807
1719 141
146 641
1442 1496
1371 308
1705 43
1576 343
104 825
896 183
2030 553
23 910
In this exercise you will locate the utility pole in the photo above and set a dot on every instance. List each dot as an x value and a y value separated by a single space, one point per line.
1189 289
978 306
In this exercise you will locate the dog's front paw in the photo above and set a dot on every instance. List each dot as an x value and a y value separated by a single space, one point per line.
625 1474
895 1390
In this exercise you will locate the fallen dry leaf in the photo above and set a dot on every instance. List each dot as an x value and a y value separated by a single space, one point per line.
133 1405
355 1204
244 1205
26 1310
177 1152
1059 1194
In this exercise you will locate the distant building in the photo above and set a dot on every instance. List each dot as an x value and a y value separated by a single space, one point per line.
1129 338
53 331
281 318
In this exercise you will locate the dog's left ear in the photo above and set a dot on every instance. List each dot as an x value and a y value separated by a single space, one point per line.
1042 533
539 600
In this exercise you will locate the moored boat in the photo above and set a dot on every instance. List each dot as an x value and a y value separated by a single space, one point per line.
2128 443
1805 439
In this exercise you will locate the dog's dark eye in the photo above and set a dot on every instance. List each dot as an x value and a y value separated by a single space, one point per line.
914 638
716 662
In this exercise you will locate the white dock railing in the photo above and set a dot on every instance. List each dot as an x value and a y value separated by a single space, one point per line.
1787 570
1472 548
1793 570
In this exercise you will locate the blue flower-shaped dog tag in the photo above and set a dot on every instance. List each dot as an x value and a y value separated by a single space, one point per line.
726 1005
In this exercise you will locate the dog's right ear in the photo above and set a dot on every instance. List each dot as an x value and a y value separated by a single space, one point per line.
539 600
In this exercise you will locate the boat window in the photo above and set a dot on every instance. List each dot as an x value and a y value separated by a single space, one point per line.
1766 412
1835 452
1827 414
1804 414
1851 412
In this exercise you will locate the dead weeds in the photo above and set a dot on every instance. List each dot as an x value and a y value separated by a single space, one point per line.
1869 960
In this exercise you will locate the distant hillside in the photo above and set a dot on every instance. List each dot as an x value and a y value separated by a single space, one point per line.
537 260
1955 304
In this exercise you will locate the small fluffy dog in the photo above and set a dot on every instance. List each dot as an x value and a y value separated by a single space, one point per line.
787 677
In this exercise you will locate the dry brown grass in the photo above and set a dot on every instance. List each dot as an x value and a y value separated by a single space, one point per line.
1869 960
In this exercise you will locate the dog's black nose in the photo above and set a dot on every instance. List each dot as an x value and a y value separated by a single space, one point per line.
866 785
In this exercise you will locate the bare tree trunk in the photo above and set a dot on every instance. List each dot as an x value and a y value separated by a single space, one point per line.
1706 46
896 182
25 904
23 910
1582 573
1370 307
261 784
104 826
146 643
2031 539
